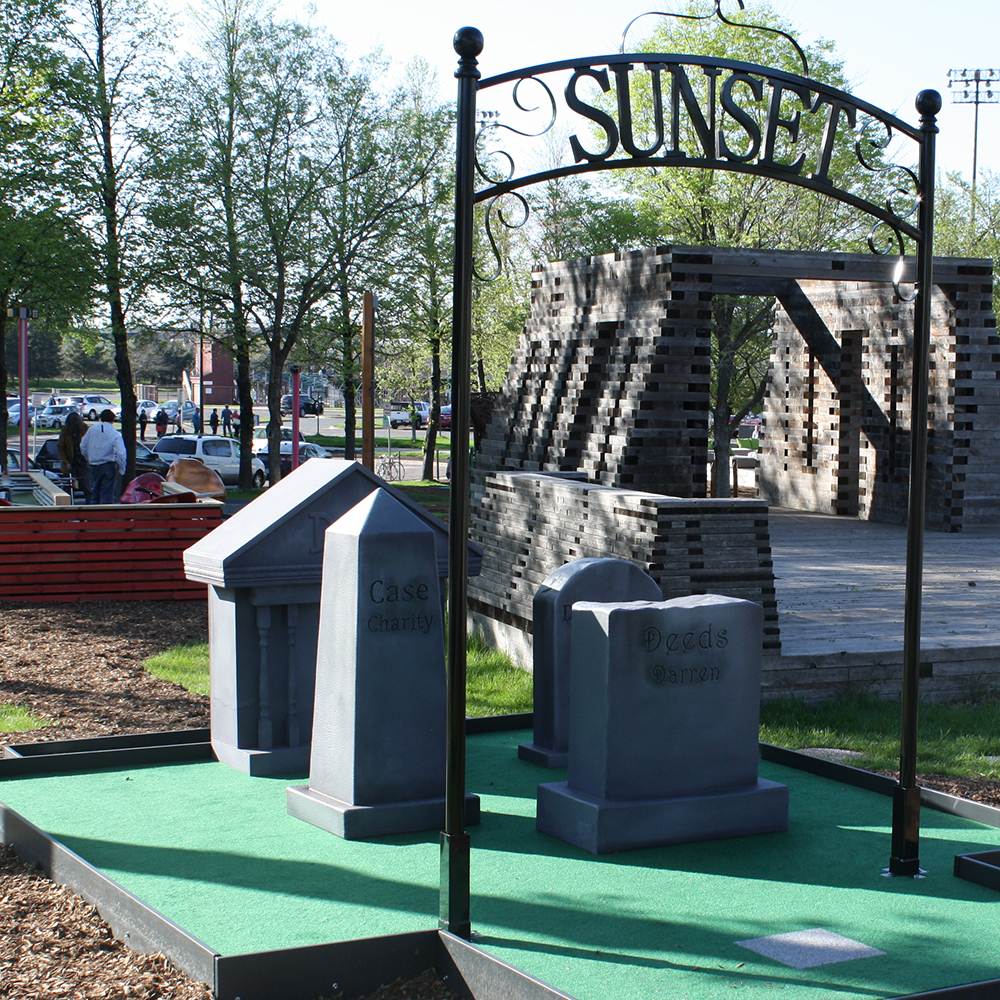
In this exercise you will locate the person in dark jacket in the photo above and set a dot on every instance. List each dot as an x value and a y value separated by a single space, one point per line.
72 462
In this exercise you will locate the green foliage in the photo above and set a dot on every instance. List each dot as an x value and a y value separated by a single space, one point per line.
18 718
722 208
952 739
961 232
184 665
84 357
494 685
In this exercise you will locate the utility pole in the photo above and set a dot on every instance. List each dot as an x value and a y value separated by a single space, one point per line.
974 86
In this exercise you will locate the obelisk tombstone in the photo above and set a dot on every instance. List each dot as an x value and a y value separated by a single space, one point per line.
552 614
378 742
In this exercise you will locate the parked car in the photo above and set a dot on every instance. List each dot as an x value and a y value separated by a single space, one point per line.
172 406
14 461
149 407
92 406
221 454
259 440
306 405
55 416
307 450
47 458
446 417
14 414
400 414
73 401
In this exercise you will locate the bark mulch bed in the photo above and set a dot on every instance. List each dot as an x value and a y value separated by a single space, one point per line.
79 667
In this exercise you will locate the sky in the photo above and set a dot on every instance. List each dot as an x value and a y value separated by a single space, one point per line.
892 49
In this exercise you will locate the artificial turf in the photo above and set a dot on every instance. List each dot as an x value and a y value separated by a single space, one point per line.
215 851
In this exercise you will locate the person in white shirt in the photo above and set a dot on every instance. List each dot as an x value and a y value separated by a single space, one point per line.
104 449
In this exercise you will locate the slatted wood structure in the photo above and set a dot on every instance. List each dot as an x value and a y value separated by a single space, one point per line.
530 524
837 415
118 552
611 378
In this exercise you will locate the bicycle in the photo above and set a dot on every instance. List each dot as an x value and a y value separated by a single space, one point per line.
390 469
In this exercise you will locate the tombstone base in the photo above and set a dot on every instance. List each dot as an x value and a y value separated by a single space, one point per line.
602 826
545 757
262 763
353 822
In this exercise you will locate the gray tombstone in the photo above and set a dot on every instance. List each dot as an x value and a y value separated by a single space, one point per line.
552 613
263 567
664 723
378 739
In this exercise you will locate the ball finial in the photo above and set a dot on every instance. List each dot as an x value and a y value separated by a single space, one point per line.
468 42
928 102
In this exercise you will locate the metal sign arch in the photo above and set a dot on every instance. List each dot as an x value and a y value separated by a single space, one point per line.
715 119
468 43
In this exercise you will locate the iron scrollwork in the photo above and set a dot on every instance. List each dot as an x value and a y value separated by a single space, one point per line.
868 149
510 219
717 13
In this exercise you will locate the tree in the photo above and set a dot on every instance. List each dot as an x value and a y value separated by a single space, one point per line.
30 129
953 232
422 276
721 208
290 159
200 208
113 45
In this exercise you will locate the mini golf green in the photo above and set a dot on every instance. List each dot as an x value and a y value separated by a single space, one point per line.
215 851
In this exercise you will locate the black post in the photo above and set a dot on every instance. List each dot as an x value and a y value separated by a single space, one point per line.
905 856
454 913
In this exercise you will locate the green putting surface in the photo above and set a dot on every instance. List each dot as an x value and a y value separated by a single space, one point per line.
215 851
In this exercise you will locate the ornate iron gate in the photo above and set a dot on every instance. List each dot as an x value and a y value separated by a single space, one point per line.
722 134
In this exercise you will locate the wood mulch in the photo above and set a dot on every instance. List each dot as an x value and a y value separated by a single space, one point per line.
79 666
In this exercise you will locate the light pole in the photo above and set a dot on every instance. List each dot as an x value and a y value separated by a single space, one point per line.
22 314
974 86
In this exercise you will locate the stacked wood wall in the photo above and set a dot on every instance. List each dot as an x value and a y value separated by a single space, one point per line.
530 524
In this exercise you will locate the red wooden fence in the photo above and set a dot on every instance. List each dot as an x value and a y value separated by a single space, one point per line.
127 552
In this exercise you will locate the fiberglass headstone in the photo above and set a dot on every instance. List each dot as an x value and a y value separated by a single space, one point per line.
664 722
378 736
552 613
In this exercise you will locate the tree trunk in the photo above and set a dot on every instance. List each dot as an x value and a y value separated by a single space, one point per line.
430 442
274 384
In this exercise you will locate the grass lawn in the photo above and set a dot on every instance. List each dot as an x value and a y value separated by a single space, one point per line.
184 665
952 739
17 719
495 686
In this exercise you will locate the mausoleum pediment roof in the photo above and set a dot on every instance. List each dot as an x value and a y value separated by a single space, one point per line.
278 539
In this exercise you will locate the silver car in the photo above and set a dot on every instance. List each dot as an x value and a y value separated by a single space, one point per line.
55 416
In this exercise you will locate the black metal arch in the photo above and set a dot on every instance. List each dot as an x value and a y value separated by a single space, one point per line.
468 42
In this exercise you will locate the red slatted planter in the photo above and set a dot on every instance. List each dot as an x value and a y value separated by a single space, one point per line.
131 552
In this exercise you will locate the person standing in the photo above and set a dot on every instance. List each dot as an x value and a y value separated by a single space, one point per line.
143 420
104 449
71 460
227 421
196 421
161 422
213 421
